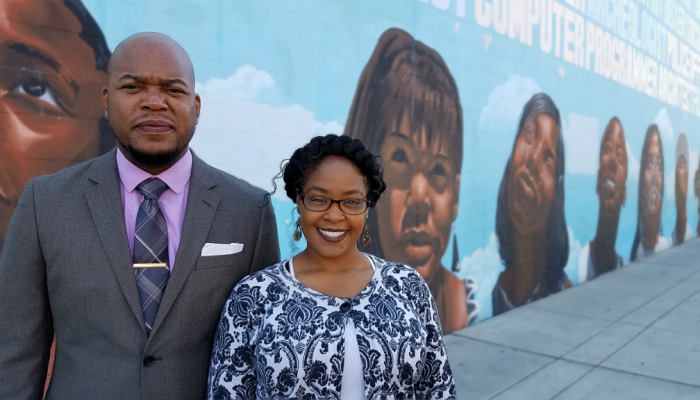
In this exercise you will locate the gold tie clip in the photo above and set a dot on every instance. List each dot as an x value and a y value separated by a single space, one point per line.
151 265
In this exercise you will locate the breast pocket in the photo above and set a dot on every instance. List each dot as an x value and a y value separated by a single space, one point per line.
227 260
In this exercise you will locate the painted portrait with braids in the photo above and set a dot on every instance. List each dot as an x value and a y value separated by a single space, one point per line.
407 109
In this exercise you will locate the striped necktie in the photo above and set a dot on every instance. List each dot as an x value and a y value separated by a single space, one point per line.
151 246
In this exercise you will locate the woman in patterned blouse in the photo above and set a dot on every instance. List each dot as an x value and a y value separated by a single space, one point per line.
331 322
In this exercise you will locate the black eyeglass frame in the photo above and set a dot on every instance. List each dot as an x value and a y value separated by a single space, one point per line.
302 196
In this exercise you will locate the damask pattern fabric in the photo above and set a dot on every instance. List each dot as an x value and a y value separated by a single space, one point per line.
278 339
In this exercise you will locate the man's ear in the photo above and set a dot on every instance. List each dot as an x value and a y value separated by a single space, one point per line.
624 194
597 183
198 104
455 197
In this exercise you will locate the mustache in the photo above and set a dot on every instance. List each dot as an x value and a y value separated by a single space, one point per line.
416 215
145 116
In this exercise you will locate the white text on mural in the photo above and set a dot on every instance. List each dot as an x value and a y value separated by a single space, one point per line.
648 45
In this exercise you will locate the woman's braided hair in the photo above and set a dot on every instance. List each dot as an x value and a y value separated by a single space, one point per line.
305 160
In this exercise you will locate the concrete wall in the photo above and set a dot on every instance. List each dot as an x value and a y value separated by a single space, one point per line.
497 194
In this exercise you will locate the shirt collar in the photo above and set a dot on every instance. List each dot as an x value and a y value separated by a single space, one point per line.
176 177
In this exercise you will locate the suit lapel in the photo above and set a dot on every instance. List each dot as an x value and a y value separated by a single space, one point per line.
199 215
104 201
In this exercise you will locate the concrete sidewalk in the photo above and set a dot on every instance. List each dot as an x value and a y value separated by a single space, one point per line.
633 333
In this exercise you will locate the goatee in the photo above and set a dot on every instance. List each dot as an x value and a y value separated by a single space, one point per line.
152 160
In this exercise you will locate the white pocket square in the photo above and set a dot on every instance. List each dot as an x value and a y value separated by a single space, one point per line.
221 249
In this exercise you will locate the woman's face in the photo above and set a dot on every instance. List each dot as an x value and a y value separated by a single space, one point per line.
332 233
532 179
415 219
652 183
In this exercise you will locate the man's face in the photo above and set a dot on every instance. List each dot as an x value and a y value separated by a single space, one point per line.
49 95
611 186
415 219
652 183
681 184
532 179
150 101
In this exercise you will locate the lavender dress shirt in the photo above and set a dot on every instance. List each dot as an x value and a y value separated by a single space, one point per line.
172 202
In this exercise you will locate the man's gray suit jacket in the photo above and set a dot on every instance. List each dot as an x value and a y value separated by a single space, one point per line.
66 268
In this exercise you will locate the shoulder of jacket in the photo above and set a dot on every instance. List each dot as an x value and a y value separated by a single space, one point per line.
227 184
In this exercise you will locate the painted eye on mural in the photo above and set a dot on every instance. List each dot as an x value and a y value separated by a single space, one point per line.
654 163
549 162
438 170
39 89
619 151
399 155
529 135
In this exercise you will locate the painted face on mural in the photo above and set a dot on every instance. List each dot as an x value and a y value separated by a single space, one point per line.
611 186
49 95
532 178
333 233
150 100
417 215
653 181
681 184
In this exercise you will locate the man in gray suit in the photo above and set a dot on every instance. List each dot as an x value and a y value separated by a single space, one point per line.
129 258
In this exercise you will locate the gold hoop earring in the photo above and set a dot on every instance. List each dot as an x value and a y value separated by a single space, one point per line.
297 230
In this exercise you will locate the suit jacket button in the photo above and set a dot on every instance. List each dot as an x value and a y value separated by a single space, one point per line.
148 361
345 307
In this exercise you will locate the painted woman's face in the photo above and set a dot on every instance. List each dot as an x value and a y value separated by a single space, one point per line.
681 183
415 215
652 183
611 185
532 179
49 95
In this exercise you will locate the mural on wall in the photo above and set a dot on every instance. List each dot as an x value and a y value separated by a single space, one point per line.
649 237
530 223
599 255
407 110
681 231
504 126
53 64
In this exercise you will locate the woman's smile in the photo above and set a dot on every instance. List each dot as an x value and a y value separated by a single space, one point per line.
332 235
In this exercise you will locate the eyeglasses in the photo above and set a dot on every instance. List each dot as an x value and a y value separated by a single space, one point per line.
314 202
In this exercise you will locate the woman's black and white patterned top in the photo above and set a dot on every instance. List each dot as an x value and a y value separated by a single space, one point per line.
278 339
